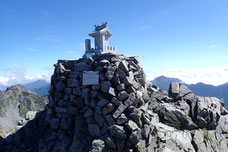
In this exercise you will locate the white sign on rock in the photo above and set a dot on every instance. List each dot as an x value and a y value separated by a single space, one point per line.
90 77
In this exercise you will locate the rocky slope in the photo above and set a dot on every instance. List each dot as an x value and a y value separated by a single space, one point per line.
120 111
17 105
199 89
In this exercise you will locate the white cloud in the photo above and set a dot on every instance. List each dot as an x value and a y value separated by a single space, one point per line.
17 76
214 75
12 80
212 46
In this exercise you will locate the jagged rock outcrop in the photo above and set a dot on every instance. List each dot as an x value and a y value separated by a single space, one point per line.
17 106
105 103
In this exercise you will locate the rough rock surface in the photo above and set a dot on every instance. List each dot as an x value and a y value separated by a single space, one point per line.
124 112
17 106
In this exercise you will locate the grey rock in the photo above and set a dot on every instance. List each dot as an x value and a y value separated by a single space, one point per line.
108 108
61 69
60 86
111 91
175 117
79 67
63 124
74 75
94 94
54 123
223 124
182 105
96 87
123 95
135 136
68 91
130 89
131 125
109 120
93 103
94 130
116 81
99 119
105 85
105 128
115 101
128 81
141 146
102 76
90 120
110 73
145 119
72 110
98 109
102 103
122 119
30 115
72 98
97 146
124 66
121 87
77 91
72 83
174 89
145 131
117 132
88 113
119 111
185 92
137 119
120 73
60 110
104 62
110 142
78 102
89 61
131 99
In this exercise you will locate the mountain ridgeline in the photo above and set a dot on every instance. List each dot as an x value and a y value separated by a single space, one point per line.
17 105
40 87
105 103
199 89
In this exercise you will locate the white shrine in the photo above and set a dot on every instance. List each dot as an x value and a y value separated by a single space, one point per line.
100 35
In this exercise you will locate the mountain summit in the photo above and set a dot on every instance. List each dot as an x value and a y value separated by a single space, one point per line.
105 103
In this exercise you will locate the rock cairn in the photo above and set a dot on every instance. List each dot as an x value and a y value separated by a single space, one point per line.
105 103
114 107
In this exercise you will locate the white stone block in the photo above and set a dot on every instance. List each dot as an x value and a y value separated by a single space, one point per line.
90 77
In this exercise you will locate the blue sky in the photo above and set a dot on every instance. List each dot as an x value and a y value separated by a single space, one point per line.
181 36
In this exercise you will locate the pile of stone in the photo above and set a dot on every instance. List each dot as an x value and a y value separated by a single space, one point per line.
105 103
111 93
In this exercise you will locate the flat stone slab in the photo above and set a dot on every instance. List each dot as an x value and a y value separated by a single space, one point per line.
90 78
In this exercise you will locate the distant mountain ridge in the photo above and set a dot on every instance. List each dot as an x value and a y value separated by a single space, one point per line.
40 87
199 89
